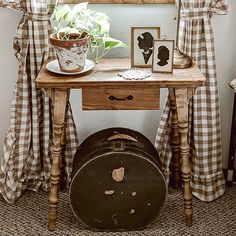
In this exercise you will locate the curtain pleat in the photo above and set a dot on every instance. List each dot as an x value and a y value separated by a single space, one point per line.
197 40
26 163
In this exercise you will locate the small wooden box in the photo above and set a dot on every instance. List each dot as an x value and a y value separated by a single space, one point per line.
132 98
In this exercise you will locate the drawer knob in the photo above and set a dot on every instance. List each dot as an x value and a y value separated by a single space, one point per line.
130 97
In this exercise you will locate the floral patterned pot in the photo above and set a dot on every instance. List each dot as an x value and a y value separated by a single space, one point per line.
72 53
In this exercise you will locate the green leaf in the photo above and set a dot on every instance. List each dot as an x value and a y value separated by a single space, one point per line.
96 41
113 43
81 25
80 7
105 26
70 17
61 13
102 20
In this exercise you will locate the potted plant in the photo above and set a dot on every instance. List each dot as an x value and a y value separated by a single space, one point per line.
78 31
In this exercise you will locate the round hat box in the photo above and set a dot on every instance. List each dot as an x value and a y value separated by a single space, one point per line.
117 181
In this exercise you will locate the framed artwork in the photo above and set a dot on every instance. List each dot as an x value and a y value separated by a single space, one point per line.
163 55
142 45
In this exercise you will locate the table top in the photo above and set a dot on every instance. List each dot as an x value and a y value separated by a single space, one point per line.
105 73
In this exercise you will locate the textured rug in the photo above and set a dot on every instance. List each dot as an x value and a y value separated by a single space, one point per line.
28 217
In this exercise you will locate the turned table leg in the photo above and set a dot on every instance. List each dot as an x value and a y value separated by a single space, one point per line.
60 100
176 179
181 96
62 159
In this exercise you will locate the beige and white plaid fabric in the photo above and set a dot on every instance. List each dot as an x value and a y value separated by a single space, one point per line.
26 163
196 40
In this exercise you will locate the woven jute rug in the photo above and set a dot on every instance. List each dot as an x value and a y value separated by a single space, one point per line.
28 217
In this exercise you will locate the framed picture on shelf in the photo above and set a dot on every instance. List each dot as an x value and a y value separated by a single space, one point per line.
163 55
142 45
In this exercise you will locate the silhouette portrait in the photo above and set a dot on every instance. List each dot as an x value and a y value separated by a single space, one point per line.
163 55
142 44
145 43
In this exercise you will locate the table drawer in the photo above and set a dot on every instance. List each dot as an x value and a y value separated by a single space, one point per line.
121 98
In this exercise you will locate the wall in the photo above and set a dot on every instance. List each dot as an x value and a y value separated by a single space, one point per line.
123 17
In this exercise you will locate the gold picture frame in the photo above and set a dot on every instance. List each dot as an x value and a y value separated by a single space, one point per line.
142 45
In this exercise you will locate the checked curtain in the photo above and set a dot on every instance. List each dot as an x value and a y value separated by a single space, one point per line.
197 41
26 163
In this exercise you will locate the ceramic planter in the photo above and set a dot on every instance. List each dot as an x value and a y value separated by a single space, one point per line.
71 54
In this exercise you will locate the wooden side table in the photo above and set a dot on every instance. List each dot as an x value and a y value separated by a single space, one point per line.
114 92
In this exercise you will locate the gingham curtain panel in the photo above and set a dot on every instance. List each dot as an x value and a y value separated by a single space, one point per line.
196 40
26 163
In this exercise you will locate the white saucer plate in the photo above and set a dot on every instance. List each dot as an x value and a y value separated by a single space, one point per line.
53 66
